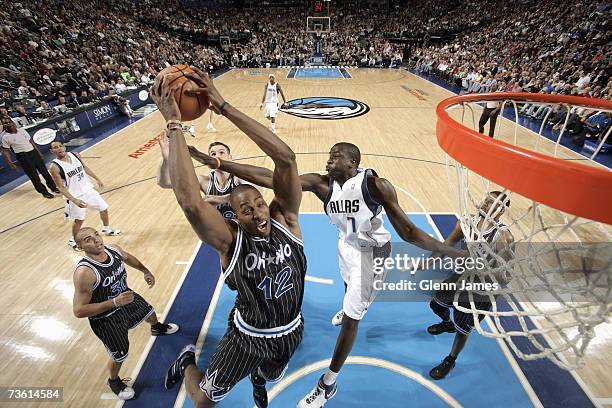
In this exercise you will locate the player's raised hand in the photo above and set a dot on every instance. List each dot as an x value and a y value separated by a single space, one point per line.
164 145
163 96
150 279
206 87
202 157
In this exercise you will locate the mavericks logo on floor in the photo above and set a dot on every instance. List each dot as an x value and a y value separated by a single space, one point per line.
325 108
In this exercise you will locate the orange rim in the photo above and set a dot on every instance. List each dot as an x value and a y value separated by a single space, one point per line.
577 189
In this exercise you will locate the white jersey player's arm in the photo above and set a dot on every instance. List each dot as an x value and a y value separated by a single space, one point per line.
263 98
455 236
280 90
384 193
54 170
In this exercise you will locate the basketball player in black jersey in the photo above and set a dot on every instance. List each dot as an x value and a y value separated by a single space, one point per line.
342 165
216 186
261 255
102 295
500 238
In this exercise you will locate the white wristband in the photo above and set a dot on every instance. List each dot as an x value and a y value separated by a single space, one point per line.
114 301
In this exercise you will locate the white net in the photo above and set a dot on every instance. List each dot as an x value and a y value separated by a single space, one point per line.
550 272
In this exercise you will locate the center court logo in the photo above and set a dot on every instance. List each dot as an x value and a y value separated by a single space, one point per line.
326 108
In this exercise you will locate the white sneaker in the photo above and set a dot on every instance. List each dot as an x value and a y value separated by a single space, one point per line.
108 231
318 396
72 244
337 319
121 389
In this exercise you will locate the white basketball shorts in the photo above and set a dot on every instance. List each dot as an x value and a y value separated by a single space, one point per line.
94 202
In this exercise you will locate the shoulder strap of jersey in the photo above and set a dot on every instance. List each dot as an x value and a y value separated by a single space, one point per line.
114 251
76 158
58 163
285 231
330 191
211 180
237 247
374 207
87 263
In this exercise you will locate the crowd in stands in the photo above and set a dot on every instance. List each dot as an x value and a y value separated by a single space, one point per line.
540 48
56 56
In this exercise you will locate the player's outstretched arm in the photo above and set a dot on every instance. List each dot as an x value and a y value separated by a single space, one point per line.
453 238
261 176
206 221
285 179
384 193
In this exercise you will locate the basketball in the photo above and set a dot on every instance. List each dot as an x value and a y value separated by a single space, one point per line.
192 107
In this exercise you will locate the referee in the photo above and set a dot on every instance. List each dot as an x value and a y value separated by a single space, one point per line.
27 155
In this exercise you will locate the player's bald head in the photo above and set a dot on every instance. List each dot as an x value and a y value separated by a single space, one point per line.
242 192
349 150
84 233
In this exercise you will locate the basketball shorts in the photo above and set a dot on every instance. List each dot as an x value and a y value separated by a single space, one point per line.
113 329
271 110
94 202
464 322
238 355
357 270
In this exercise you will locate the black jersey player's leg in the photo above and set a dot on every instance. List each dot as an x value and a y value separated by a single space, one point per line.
442 311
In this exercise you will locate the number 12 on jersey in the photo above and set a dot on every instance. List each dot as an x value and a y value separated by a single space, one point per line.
281 284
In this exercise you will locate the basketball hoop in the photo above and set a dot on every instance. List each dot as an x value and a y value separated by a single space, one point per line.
556 286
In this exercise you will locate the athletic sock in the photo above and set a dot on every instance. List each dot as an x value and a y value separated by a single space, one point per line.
330 377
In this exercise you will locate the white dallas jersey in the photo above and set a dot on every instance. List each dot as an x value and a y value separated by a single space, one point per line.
73 175
357 216
272 93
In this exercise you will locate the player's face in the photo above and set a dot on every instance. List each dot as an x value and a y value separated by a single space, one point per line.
338 163
219 152
90 241
272 80
58 149
253 213
496 212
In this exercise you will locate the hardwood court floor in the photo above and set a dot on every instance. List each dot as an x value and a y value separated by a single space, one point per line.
43 344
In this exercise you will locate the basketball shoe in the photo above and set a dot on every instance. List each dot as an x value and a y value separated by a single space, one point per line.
318 396
121 388
337 319
161 329
175 373
108 231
